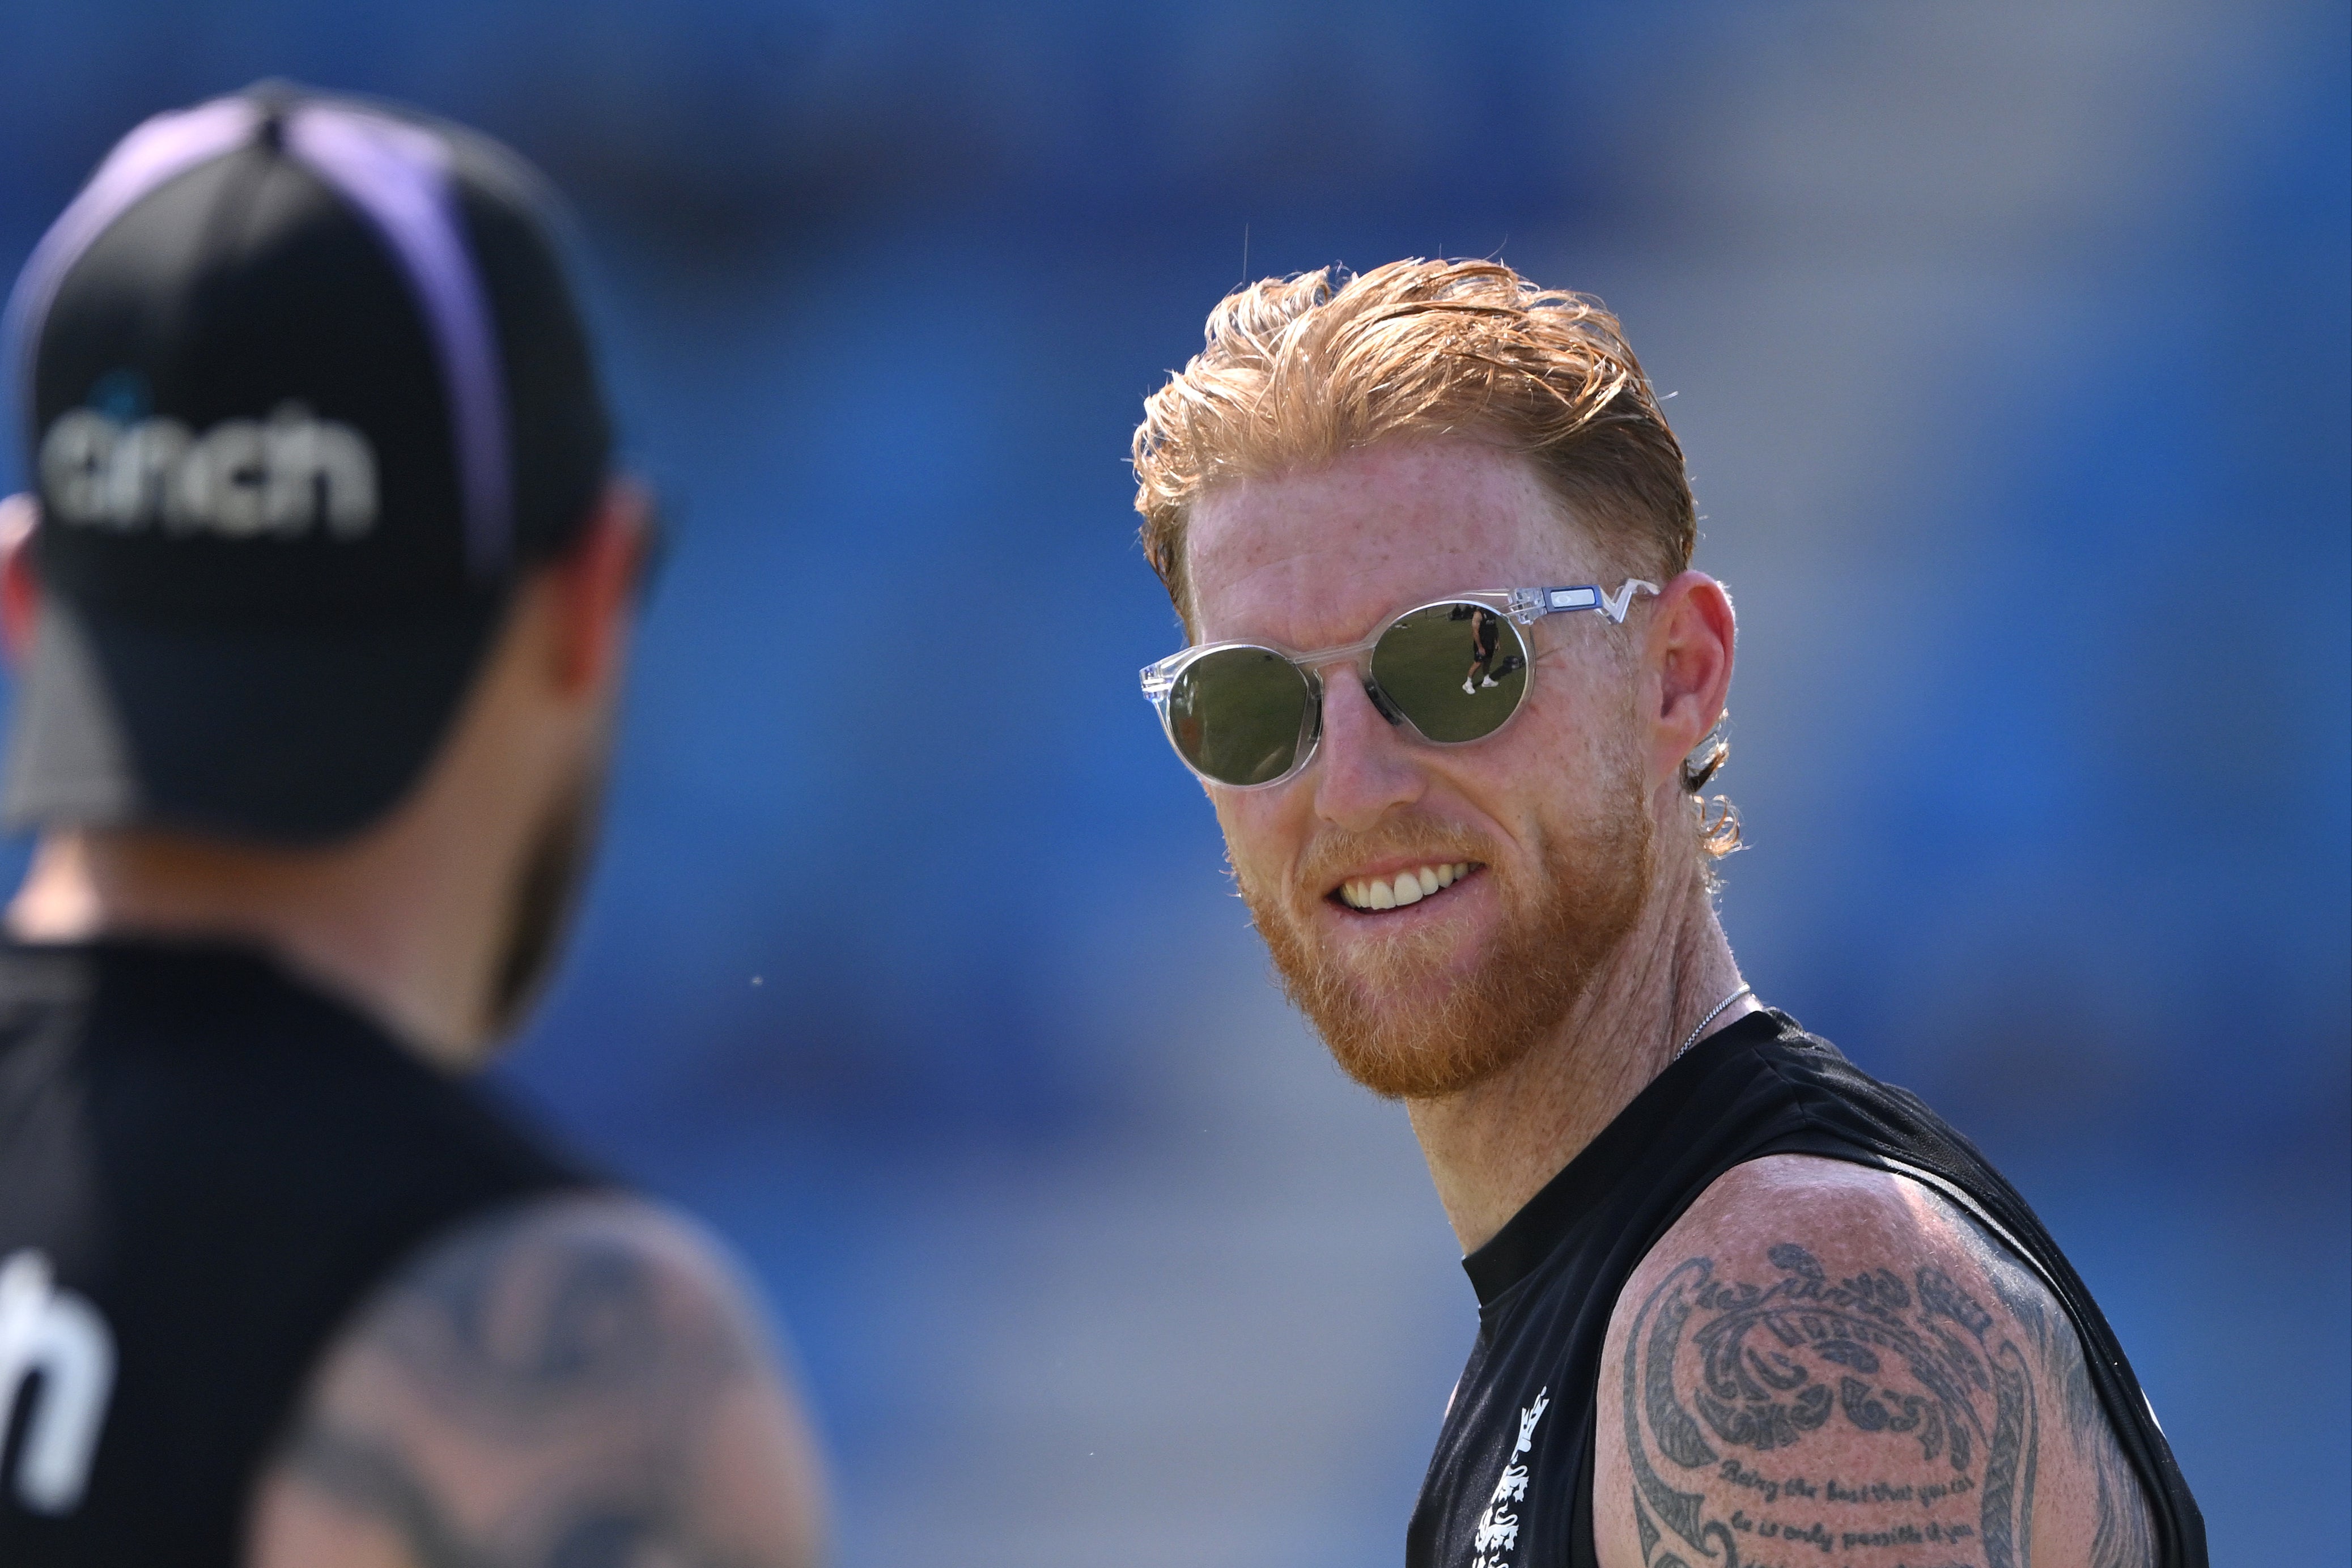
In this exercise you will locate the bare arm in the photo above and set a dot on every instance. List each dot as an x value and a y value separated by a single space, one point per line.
1824 1364
576 1381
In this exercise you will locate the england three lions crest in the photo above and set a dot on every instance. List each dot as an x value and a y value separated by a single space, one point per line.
1498 1527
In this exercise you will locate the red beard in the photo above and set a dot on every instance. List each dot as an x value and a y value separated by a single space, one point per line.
1399 1017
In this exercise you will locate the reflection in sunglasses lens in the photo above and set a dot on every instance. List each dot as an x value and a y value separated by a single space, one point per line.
1236 714
1456 671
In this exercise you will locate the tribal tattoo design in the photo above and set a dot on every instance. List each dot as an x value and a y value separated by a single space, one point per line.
1917 1362
553 1348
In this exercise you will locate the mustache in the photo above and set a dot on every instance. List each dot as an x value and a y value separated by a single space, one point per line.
1334 855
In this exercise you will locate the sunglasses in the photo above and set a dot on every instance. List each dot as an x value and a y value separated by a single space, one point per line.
1249 714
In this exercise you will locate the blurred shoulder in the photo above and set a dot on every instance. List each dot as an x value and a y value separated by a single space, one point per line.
583 1377
1824 1357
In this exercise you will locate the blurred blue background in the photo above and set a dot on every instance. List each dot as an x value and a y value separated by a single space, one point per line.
2011 344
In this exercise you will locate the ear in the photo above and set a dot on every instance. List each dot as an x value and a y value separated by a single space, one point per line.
1689 655
20 584
594 585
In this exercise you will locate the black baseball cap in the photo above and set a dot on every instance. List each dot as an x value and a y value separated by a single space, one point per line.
306 395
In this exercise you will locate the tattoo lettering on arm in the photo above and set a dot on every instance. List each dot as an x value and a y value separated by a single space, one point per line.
1787 1358
572 1385
1925 1405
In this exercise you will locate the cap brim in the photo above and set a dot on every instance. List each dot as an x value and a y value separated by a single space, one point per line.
286 734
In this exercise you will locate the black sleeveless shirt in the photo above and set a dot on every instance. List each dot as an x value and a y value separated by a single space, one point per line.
1548 1281
204 1167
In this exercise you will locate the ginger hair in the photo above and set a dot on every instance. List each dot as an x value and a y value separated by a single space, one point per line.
1297 370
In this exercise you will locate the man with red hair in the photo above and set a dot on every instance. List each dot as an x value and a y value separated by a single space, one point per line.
1739 1301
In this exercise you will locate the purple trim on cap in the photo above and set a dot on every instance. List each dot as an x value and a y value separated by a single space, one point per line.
160 148
397 174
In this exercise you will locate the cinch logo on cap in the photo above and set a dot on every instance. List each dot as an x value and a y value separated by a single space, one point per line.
243 478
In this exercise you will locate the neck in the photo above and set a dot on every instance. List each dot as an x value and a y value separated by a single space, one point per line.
1492 1147
398 925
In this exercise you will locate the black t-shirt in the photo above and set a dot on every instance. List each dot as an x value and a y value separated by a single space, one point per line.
204 1167
1515 1455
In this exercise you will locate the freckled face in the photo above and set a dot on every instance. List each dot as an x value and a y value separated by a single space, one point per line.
1447 988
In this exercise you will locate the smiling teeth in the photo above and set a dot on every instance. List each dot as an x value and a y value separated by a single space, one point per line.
1410 886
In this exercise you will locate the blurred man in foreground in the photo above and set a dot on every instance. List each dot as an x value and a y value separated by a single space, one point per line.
1739 1301
320 613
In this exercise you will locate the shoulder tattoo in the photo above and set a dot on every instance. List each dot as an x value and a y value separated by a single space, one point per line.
535 1393
1950 1394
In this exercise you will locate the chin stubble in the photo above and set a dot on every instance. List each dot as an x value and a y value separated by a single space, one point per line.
540 908
1399 1023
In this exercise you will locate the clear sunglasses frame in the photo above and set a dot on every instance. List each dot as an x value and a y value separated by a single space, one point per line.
1520 606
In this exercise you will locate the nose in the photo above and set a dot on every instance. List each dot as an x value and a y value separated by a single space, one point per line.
1364 769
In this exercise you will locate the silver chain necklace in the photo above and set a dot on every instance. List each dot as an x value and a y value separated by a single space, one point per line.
1713 1013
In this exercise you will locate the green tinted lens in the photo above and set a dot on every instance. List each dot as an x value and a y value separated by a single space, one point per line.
1456 671
1237 714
